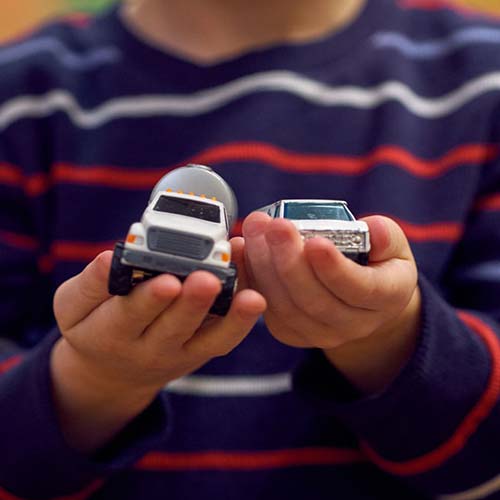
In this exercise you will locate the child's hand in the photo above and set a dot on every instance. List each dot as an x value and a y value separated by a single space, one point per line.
365 318
118 352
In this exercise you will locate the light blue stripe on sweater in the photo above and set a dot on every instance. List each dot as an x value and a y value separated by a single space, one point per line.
432 49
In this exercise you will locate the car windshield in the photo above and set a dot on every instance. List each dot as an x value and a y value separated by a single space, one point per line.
305 211
190 208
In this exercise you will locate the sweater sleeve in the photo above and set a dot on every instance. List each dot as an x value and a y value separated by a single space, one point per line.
436 426
33 446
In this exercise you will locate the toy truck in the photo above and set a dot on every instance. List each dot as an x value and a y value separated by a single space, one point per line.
330 219
184 228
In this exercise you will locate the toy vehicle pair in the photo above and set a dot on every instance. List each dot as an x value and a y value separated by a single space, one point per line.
186 226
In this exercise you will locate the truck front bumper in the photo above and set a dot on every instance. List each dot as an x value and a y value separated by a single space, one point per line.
171 264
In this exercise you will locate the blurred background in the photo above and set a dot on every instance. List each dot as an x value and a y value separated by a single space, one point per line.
19 16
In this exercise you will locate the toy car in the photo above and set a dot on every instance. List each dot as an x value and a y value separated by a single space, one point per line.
330 219
181 232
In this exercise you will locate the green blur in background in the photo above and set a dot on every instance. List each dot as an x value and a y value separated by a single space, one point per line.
88 5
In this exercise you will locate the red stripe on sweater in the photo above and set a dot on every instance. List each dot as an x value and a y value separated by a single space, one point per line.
78 250
81 495
284 160
5 495
491 202
34 185
348 165
11 175
78 19
469 424
255 460
10 363
289 161
437 231
114 177
19 241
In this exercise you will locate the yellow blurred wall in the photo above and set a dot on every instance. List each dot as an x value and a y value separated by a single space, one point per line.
485 4
19 16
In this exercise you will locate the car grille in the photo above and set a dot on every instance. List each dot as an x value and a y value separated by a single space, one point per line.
178 243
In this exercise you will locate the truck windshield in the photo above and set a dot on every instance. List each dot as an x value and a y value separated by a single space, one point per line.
304 211
190 208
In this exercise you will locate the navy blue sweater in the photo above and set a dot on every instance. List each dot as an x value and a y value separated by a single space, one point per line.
398 115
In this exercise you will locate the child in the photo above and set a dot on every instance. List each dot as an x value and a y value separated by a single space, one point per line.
359 382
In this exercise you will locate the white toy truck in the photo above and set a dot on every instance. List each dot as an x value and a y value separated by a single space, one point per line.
330 219
184 228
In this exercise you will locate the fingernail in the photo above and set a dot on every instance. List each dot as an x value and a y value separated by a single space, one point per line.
254 228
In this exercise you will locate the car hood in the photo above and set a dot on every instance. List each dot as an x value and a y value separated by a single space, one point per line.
184 224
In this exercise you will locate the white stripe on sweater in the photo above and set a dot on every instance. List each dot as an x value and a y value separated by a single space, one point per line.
482 491
232 386
432 49
73 60
485 271
274 81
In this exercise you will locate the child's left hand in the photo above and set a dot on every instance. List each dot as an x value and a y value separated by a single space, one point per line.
365 318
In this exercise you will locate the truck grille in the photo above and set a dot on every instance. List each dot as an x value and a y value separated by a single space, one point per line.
178 243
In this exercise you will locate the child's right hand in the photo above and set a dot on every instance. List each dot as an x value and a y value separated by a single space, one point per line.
117 353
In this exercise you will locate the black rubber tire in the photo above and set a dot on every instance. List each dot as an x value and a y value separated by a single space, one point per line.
223 301
359 258
363 259
120 276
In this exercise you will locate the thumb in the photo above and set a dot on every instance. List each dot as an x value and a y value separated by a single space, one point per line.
387 239
79 296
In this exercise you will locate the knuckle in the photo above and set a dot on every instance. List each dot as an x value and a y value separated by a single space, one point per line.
132 313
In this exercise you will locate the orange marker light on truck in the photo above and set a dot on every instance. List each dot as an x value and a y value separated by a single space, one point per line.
131 238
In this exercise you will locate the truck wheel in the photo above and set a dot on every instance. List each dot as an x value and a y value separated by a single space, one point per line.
223 301
120 276
363 259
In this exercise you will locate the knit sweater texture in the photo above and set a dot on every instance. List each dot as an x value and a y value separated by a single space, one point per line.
398 115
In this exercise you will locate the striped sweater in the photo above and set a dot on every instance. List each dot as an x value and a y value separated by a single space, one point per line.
398 115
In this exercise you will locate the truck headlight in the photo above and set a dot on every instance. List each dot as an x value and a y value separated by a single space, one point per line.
224 256
135 239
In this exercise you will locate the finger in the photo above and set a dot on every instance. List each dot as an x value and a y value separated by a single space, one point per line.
79 296
187 313
387 239
304 288
266 280
259 260
127 317
220 337
381 285
238 257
